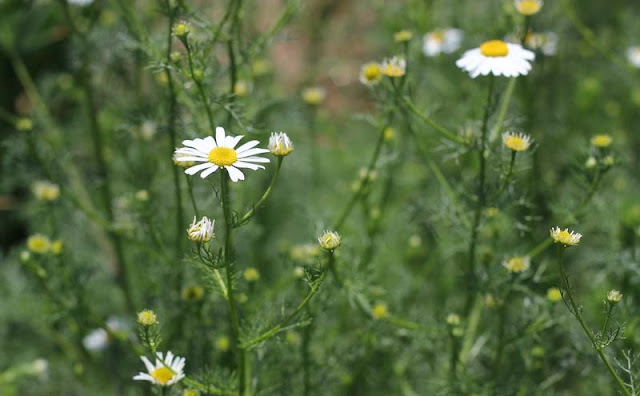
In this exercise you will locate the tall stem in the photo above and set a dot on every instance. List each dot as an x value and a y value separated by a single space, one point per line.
575 310
228 259
477 216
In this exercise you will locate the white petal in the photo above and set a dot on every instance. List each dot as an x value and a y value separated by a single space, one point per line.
143 377
255 159
209 171
247 146
191 151
240 164
234 173
147 364
220 137
188 159
232 141
249 153
195 169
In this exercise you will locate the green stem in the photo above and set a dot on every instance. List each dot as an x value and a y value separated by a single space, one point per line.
575 310
192 197
504 106
605 326
198 81
228 259
440 129
477 216
280 326
264 197
507 177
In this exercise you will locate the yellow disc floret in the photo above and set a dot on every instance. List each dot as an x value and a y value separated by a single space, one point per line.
223 156
601 141
516 142
39 244
494 48
528 7
565 237
162 375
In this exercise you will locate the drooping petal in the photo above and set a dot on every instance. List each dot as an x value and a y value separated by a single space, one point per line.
209 171
235 174
197 168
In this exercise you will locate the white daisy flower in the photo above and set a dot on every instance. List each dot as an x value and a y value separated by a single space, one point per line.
96 340
440 41
564 236
201 231
279 144
221 152
546 42
498 58
167 371
633 55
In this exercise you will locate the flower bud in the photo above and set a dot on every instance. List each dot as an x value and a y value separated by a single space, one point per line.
330 240
201 231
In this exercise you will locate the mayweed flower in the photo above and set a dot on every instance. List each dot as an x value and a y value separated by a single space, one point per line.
190 392
44 190
279 144
251 275
554 294
516 141
38 244
177 160
192 293
633 56
96 340
221 153
614 296
591 163
453 319
223 343
167 371
528 7
181 29
394 67
601 141
57 247
564 237
314 95
402 36
498 58
147 318
445 41
371 73
201 231
547 42
24 124
517 264
330 240
241 88
142 195
379 311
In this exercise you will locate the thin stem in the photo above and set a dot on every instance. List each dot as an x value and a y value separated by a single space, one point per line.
477 216
228 259
365 181
171 127
575 310
315 286
504 106
440 129
192 197
264 197
507 177
198 81
605 326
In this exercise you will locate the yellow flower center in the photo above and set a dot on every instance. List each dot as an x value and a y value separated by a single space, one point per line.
494 48
529 7
223 156
372 72
516 143
162 375
438 36
601 140
564 237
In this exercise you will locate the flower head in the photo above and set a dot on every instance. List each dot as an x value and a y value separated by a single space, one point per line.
181 29
221 152
44 190
96 340
330 240
402 36
251 275
633 56
39 244
201 231
371 73
394 67
498 58
614 296
444 41
379 311
516 141
601 141
167 369
24 124
517 264
147 318
314 95
545 42
241 88
453 319
554 294
565 237
223 343
279 144
528 7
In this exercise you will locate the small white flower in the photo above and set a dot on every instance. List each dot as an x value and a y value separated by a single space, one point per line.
633 55
394 67
167 371
44 190
565 237
221 153
201 231
498 58
96 340
440 41
330 240
279 144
